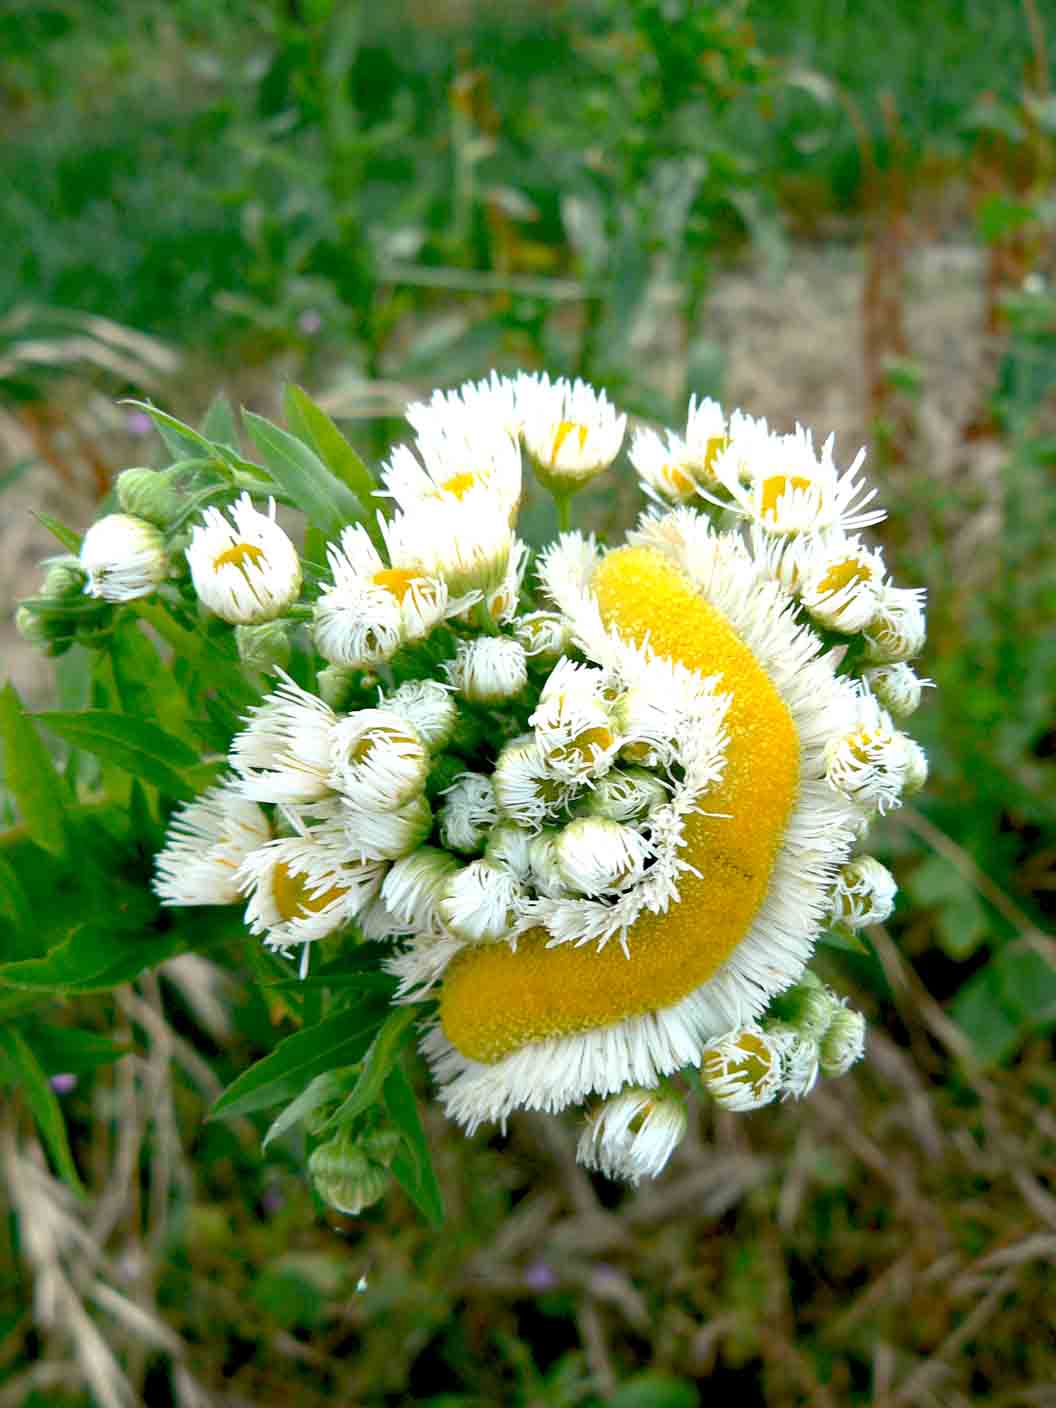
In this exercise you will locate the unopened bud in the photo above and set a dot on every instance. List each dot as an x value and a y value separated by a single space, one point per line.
345 1176
64 580
146 493
844 1042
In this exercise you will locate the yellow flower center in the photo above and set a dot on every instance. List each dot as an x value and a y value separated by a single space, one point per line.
776 486
678 481
584 745
237 555
564 430
752 1064
844 574
396 580
495 1000
459 485
293 899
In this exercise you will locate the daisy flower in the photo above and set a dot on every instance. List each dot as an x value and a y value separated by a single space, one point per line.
244 568
124 558
207 841
571 431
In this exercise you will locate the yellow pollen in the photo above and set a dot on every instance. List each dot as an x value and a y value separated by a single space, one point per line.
459 485
777 485
236 555
564 430
754 1064
844 574
293 899
713 449
495 1000
396 580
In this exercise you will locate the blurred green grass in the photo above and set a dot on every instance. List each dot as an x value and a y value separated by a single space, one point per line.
179 168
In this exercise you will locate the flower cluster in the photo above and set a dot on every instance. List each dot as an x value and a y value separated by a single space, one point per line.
598 815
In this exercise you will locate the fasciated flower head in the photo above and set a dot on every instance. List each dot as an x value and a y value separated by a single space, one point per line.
124 558
244 568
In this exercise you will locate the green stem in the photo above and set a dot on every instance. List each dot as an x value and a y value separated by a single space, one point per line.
564 512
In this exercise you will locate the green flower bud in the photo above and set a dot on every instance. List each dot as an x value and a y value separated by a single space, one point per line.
146 493
345 1177
33 627
336 685
844 1042
265 647
64 580
808 1008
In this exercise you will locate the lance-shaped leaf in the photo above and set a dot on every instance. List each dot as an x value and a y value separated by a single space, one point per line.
38 790
22 1070
325 501
412 1165
134 745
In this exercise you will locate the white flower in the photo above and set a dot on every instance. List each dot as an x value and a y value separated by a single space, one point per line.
597 856
377 760
898 630
283 753
800 1056
525 788
543 634
664 466
741 1070
480 902
245 572
897 687
841 582
428 706
124 558
708 435
385 835
492 403
864 893
501 603
207 840
632 1135
914 765
372 610
573 721
510 845
468 812
844 1042
489 669
793 489
464 461
627 794
299 891
467 542
868 763
414 885
571 431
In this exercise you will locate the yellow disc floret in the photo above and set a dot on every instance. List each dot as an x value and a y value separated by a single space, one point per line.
496 999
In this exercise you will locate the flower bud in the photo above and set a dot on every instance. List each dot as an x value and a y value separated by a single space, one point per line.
337 685
413 887
543 634
489 669
429 707
597 856
34 627
864 893
627 794
807 1008
915 765
64 580
345 1177
898 630
480 902
265 648
799 1058
377 759
844 1042
124 558
510 845
632 1135
742 1070
244 568
897 687
468 812
571 432
148 494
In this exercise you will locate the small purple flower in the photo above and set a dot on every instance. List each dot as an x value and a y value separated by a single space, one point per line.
272 1200
309 322
63 1083
138 423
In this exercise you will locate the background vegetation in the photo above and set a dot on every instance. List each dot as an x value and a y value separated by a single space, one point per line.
373 200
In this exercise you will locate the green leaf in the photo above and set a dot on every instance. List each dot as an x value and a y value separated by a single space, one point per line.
351 982
323 1090
136 746
324 499
27 1074
38 790
650 1390
14 902
145 687
339 1040
844 939
377 1064
412 1167
1014 995
219 424
60 1049
183 442
70 540
313 424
